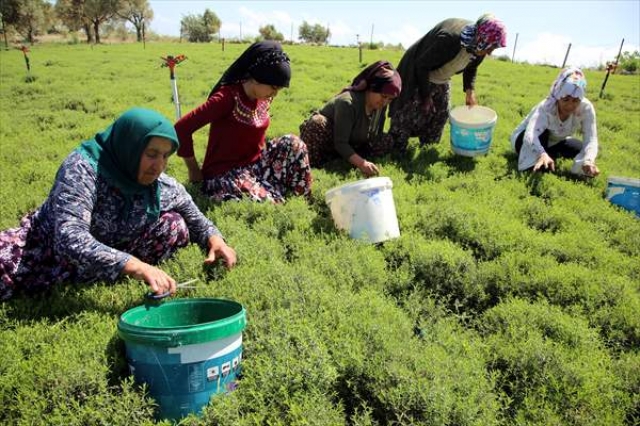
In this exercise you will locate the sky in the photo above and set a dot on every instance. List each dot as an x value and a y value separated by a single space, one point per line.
541 30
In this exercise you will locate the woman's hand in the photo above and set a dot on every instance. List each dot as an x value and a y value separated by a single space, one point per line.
368 168
544 162
195 174
159 281
470 98
590 170
218 248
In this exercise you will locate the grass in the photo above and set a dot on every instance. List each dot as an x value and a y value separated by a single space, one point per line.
509 299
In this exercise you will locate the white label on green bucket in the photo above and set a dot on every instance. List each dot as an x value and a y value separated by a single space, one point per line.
196 375
213 373
208 350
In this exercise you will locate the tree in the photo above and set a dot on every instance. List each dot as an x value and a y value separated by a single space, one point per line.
138 12
269 32
99 11
71 13
199 28
313 34
8 14
27 17
211 22
87 14
630 61
192 27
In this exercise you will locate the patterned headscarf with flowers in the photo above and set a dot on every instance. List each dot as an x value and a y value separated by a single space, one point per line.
570 82
488 32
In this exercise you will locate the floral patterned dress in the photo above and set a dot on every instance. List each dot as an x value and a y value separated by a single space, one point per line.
80 233
283 167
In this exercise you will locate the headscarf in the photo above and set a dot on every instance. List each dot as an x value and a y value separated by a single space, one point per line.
379 77
264 61
487 32
115 154
569 82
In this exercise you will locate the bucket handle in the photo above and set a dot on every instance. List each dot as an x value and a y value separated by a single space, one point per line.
184 284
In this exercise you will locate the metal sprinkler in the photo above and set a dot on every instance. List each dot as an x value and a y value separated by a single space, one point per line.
171 62
25 50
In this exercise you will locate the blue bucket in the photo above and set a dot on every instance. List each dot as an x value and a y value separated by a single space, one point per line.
624 192
472 129
185 351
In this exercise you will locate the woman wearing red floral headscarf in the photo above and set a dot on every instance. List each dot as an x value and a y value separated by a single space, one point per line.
350 124
451 47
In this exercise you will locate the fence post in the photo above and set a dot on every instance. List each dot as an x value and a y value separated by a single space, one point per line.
609 67
566 56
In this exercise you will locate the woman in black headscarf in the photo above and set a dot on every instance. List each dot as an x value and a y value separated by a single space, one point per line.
351 123
239 160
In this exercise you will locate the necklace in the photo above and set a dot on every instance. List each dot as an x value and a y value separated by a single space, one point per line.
247 114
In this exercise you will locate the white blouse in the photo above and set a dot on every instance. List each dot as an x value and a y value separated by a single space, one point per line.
542 118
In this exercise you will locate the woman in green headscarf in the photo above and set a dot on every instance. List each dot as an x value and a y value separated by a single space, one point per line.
111 212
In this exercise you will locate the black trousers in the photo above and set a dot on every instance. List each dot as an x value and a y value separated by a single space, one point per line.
567 148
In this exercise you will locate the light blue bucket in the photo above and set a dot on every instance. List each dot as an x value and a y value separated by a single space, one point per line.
184 350
624 192
472 129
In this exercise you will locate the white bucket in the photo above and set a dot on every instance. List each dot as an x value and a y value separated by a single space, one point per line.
365 209
472 129
624 192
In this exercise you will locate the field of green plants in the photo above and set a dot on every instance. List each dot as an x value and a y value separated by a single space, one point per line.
509 299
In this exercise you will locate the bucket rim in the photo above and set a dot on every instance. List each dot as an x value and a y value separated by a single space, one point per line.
360 185
624 180
489 123
185 334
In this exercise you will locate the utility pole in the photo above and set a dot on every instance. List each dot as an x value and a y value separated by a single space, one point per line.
513 56
371 41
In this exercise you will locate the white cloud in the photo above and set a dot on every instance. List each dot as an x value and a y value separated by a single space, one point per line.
341 33
406 35
282 17
548 48
165 25
249 22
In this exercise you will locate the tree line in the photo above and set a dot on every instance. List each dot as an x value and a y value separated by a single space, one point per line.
206 27
33 18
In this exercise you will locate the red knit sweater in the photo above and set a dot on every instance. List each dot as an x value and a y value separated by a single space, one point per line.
237 131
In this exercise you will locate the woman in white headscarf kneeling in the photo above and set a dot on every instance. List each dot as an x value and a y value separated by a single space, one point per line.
547 131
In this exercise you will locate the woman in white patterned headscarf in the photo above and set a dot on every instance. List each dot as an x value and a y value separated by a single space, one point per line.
546 132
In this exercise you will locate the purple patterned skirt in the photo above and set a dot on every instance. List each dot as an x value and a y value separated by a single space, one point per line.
28 262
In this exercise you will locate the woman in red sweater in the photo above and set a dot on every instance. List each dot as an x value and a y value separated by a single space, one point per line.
239 160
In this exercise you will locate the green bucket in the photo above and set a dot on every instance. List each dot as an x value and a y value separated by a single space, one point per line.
185 350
